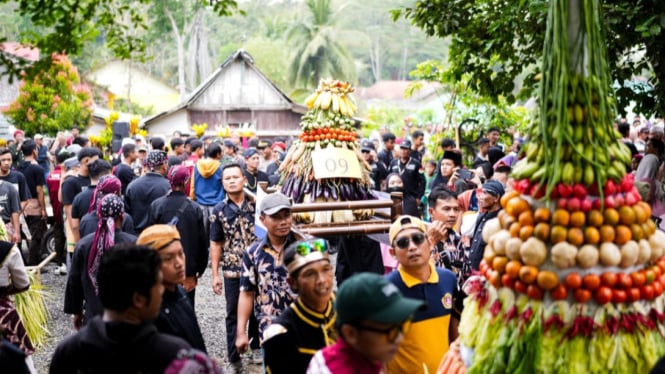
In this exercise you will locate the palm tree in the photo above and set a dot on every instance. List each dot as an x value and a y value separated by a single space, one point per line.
318 50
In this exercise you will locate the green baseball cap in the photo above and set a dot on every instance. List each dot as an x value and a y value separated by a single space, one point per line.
371 297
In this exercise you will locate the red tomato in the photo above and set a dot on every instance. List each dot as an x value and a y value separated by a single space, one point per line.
534 292
520 286
507 281
619 296
608 279
591 281
573 281
582 295
639 279
634 294
559 292
624 281
657 289
661 264
656 270
483 266
647 292
603 295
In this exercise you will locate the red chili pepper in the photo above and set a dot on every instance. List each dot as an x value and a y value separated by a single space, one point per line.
495 309
510 314
555 320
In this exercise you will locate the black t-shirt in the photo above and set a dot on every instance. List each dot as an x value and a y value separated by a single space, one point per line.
34 176
125 174
81 202
71 187
18 180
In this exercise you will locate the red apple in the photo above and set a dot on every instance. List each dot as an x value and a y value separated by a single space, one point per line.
580 191
574 204
586 205
610 187
562 203
610 202
564 190
619 200
596 204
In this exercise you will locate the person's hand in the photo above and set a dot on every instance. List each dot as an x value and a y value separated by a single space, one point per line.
16 236
78 321
242 342
44 215
217 285
436 232
454 177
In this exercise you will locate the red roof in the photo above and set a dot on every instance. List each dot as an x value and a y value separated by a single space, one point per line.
20 50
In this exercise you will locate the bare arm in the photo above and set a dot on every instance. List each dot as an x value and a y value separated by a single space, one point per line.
75 229
16 222
42 202
245 305
68 213
215 257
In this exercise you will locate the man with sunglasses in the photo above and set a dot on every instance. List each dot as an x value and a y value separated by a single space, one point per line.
418 278
307 325
263 285
372 319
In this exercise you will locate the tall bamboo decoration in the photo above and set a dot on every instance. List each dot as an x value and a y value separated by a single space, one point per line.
572 277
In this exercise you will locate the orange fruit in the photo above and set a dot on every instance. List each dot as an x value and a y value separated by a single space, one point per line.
595 218
640 214
526 218
637 231
646 207
528 274
649 227
575 236
542 215
607 233
591 235
623 234
508 196
499 264
547 280
513 268
577 219
495 279
558 234
627 215
561 217
611 217
526 232
514 230
516 206
542 231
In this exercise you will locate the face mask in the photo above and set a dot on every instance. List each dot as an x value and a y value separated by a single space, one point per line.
395 189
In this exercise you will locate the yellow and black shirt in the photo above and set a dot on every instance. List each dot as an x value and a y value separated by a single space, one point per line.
290 341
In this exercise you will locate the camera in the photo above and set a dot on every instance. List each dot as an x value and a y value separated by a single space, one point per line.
464 174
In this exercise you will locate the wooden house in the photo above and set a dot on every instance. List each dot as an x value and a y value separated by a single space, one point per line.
236 94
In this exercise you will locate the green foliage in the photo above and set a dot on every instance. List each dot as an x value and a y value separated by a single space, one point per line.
318 51
271 56
52 100
123 105
391 117
496 42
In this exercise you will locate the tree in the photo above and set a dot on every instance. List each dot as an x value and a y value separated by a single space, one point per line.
318 51
52 100
497 41
64 26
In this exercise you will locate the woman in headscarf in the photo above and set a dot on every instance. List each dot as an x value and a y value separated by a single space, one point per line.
108 184
82 278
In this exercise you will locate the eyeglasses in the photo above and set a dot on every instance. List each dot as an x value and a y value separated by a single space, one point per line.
391 333
417 239
316 245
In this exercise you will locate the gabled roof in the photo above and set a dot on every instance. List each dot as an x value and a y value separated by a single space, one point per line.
201 89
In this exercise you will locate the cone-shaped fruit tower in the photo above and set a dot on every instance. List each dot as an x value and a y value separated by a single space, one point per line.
572 276
325 163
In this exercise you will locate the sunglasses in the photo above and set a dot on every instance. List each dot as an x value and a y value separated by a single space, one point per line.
417 239
391 333
316 245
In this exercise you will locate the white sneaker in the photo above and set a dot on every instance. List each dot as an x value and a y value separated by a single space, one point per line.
62 269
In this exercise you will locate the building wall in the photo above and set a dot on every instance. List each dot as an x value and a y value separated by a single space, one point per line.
264 120
168 124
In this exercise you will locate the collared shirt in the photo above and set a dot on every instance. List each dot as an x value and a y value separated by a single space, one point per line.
429 325
341 358
234 227
264 273
450 254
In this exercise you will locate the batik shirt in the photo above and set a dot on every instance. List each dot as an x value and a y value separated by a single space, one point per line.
234 227
264 273
450 254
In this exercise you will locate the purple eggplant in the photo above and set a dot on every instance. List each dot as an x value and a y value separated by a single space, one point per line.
326 191
296 188
308 188
333 192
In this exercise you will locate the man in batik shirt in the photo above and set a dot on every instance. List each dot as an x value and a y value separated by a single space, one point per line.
231 232
263 284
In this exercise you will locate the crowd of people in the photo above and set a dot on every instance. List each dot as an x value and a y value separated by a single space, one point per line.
136 230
